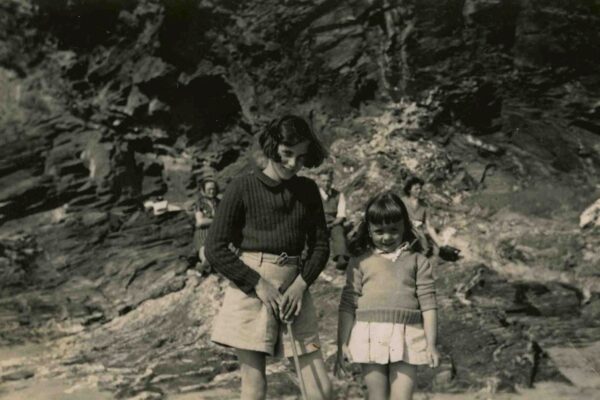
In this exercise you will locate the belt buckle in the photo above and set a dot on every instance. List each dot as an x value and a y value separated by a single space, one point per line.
282 258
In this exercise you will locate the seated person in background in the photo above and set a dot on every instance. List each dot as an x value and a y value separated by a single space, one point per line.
334 205
204 211
417 211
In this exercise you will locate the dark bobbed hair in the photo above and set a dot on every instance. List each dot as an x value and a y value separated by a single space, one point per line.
204 181
385 207
290 130
410 182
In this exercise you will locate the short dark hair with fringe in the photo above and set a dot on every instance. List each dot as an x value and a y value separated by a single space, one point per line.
410 182
385 207
290 130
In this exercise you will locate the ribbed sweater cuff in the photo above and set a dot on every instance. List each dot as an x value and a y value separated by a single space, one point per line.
347 308
315 266
427 302
399 315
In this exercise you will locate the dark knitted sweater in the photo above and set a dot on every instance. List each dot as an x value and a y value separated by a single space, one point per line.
258 213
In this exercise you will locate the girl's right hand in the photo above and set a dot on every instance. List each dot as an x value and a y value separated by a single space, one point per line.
269 295
341 370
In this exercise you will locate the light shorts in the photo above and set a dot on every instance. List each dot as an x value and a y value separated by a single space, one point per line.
244 322
386 342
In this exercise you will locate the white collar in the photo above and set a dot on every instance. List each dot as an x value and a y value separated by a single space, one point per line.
393 256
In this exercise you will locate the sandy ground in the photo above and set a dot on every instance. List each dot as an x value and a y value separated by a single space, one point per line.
58 389
579 365
542 390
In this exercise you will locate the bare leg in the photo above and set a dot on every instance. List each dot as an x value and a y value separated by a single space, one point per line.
254 380
376 379
314 374
402 378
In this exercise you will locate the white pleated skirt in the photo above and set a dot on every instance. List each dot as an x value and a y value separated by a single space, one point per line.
386 342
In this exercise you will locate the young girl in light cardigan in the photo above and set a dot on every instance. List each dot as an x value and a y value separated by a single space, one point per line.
387 314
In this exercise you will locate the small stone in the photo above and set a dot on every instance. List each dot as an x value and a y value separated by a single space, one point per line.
192 388
76 359
146 395
93 317
17 375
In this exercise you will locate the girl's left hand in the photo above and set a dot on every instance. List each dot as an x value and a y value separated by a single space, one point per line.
291 304
433 355
341 369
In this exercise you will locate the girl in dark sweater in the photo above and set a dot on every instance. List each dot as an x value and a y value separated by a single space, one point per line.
272 215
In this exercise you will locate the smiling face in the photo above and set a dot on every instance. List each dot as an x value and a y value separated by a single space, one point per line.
387 236
292 160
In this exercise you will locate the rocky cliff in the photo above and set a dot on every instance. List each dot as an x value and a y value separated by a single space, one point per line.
105 105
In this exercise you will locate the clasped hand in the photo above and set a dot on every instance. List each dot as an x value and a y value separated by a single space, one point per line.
284 306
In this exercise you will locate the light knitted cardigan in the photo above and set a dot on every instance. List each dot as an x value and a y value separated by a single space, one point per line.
381 290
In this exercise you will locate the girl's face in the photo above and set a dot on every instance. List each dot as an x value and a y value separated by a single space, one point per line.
291 159
387 236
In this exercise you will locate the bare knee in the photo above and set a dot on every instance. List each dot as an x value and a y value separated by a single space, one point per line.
254 385
254 380
402 377
376 379
254 389
378 392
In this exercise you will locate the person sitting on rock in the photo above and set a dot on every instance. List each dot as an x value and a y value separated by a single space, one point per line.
334 204
204 211
418 213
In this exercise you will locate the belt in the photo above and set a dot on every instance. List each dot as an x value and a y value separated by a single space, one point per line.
281 259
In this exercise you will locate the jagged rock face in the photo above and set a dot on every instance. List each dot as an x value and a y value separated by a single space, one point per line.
106 104
102 106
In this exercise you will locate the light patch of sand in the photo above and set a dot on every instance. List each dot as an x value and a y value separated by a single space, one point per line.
580 365
51 389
